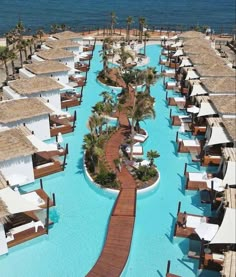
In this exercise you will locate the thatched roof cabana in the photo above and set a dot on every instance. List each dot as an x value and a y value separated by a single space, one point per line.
214 70
4 213
230 127
55 54
66 43
3 181
14 110
34 85
224 104
46 67
220 85
229 267
67 35
14 144
229 153
191 35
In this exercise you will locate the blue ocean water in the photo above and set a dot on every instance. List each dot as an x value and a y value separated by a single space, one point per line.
219 15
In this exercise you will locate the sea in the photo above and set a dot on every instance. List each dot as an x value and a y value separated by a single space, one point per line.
79 15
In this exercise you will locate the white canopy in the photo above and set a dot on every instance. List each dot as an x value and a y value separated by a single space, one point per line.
206 231
185 62
227 230
179 52
16 179
198 90
206 109
191 75
15 202
164 37
217 184
40 145
230 174
218 136
193 109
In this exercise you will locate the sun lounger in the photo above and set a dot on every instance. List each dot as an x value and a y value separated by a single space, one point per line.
24 227
140 137
193 221
197 176
191 143
137 149
34 198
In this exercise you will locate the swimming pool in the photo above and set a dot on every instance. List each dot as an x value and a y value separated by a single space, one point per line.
82 210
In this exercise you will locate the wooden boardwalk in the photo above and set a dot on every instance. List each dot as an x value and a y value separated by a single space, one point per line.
116 249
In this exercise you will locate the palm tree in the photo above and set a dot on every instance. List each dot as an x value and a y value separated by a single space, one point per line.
25 44
12 57
20 29
20 47
124 56
39 34
151 155
93 150
4 56
113 21
54 28
142 24
150 77
129 21
146 36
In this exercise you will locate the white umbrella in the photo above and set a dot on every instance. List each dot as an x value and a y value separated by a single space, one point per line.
193 109
217 184
59 138
206 231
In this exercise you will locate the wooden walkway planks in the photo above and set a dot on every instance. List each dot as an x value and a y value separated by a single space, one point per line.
115 253
117 246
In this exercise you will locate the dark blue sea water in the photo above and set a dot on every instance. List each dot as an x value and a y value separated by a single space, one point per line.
218 14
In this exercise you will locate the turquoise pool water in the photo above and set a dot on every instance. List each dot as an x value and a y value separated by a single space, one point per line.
82 210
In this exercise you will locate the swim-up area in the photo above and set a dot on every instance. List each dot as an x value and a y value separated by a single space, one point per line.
82 211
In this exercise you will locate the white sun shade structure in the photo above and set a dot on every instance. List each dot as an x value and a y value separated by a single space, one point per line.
194 109
40 145
218 136
192 75
198 90
185 63
174 37
15 202
88 38
227 230
178 53
230 174
206 109
206 231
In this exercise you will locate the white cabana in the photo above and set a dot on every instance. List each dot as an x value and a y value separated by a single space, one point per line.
206 231
198 90
185 63
227 230
178 53
206 109
177 44
218 136
230 174
15 202
17 179
191 75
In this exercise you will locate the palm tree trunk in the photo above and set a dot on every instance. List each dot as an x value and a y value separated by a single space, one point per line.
6 68
21 58
13 67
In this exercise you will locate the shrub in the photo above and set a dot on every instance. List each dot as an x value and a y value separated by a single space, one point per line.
145 173
106 179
